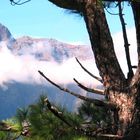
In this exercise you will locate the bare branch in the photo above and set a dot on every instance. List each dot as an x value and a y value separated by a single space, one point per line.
92 90
126 44
81 130
95 77
95 101
134 67
18 2
55 111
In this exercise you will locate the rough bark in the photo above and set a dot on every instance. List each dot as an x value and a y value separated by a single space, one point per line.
133 131
136 13
102 44
121 92
126 117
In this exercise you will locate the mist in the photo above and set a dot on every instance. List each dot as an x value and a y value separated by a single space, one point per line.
24 68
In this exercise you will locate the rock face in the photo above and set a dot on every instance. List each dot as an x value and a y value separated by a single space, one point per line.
5 34
50 49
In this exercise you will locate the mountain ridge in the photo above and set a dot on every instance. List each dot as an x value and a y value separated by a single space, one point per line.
5 34
42 50
51 49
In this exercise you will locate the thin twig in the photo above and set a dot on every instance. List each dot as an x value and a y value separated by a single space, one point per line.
95 101
92 90
95 77
126 44
18 2
114 14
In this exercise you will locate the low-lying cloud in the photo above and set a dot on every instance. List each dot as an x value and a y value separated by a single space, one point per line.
24 68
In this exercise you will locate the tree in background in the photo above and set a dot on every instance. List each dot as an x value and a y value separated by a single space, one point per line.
122 102
39 122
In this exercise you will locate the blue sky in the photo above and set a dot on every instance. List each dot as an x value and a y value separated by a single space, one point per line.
40 18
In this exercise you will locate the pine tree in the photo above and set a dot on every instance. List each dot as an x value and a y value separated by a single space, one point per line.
122 93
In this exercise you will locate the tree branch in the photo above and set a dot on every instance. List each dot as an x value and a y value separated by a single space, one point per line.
95 77
92 133
92 90
126 44
18 2
55 111
95 101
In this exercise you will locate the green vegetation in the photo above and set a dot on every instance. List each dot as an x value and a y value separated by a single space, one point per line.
37 122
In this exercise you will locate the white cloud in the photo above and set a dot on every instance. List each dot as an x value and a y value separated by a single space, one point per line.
69 69
25 68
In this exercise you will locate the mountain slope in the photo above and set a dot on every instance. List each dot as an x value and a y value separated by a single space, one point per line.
4 33
19 91
50 49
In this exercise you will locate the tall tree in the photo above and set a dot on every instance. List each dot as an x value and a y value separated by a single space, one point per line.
122 93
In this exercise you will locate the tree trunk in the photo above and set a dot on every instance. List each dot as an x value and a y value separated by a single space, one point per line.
119 90
134 129
123 93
